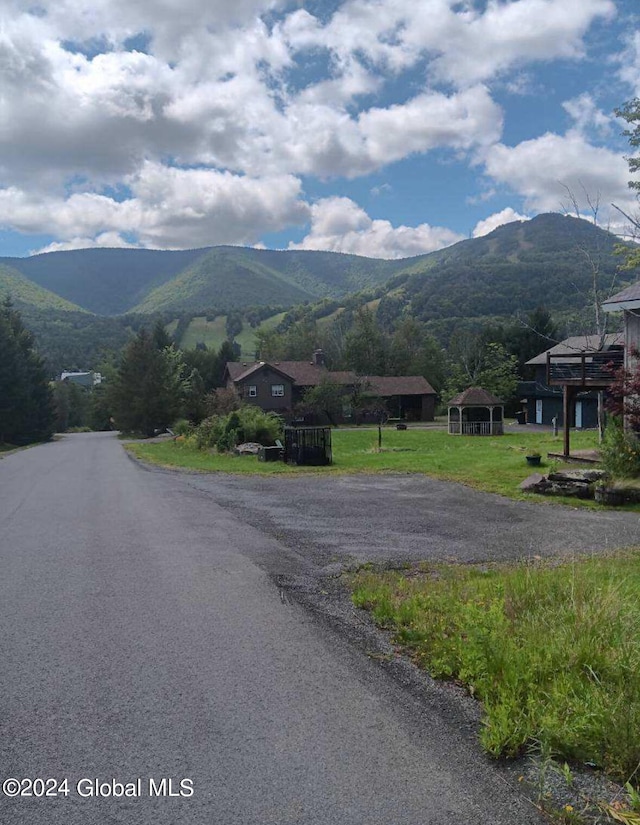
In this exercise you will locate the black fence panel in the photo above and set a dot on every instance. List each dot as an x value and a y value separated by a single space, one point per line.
309 446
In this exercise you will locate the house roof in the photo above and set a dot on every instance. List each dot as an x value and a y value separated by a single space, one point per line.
307 374
628 298
246 371
386 385
578 344
475 397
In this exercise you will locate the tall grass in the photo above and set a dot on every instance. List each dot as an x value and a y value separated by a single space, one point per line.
553 653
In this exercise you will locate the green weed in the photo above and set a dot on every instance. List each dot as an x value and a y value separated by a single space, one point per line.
553 652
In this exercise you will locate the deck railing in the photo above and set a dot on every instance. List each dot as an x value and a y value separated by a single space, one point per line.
584 369
476 428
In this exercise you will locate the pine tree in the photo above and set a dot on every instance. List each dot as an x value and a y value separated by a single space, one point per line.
150 386
26 405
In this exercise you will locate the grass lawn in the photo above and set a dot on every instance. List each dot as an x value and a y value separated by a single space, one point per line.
496 465
552 651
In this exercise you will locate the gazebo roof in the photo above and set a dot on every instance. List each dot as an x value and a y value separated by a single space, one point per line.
475 397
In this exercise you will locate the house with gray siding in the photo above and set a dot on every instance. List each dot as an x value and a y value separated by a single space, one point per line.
543 397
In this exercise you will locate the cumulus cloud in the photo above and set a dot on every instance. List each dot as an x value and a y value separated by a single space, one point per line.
168 208
107 240
507 215
587 116
340 225
204 115
545 169
467 45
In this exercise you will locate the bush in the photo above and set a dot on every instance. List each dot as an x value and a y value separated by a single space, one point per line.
620 451
249 423
182 427
208 432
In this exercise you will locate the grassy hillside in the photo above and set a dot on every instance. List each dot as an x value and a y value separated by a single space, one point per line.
118 281
104 281
213 332
25 293
227 278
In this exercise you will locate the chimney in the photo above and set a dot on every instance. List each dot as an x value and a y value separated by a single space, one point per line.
318 358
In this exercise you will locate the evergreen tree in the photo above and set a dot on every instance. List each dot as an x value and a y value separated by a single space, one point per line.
26 406
149 389
161 337
366 346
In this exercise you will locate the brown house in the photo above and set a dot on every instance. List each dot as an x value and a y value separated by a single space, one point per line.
280 386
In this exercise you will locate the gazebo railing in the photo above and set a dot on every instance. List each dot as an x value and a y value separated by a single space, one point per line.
476 428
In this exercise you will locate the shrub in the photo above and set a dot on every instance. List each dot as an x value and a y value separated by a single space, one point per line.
249 423
182 427
256 425
208 432
620 451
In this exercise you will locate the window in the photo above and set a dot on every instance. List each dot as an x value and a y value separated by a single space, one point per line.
277 390
253 391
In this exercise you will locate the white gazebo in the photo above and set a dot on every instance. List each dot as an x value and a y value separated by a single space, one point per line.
476 412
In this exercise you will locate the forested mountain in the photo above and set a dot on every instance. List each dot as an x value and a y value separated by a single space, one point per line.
551 260
117 281
103 281
228 278
27 293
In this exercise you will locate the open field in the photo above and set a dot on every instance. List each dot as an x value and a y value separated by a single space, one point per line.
495 465
213 333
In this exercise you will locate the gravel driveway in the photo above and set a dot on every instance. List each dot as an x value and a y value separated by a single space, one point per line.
359 518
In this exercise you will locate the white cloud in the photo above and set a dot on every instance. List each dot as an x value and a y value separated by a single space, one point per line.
629 60
168 208
467 45
507 215
511 34
587 116
542 170
201 113
107 240
340 225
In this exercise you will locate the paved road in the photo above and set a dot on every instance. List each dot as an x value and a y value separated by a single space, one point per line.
142 635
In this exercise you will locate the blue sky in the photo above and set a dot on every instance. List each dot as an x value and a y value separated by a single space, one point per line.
385 128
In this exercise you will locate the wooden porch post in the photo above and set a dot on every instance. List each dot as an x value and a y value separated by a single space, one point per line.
490 420
567 398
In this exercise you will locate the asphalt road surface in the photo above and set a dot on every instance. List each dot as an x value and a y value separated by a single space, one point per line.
143 637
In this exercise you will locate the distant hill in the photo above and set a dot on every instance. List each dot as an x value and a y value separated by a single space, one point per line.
103 281
548 260
228 278
117 281
24 292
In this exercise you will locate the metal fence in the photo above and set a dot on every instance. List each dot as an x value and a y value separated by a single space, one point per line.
308 445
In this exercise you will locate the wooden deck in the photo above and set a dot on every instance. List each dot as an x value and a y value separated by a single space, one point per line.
578 457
